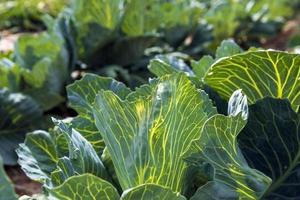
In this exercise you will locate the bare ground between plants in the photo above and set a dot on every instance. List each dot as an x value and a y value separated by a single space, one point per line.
22 184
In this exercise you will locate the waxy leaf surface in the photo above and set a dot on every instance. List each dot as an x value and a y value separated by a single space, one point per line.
218 148
147 136
151 192
81 95
259 74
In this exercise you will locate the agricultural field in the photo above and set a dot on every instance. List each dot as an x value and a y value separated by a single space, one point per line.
149 100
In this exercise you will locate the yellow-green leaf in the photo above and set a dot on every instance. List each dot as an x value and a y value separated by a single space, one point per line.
218 148
259 74
148 136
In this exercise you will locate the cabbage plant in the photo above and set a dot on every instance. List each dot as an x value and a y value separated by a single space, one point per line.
165 140
271 81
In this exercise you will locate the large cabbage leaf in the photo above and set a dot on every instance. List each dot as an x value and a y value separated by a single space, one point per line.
271 144
270 139
259 74
42 159
218 148
148 134
165 126
38 155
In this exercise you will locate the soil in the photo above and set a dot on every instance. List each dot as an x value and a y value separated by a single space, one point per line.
23 185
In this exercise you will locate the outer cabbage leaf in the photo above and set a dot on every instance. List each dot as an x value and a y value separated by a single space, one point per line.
218 147
84 187
82 157
258 74
151 192
38 155
19 114
144 17
53 157
271 144
81 95
147 136
6 189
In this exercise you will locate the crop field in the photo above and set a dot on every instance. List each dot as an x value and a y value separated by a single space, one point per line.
149 100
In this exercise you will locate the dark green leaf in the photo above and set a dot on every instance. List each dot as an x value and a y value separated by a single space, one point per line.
218 147
214 190
271 144
82 157
124 51
38 155
19 114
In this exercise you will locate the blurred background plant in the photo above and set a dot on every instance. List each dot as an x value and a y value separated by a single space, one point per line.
26 15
